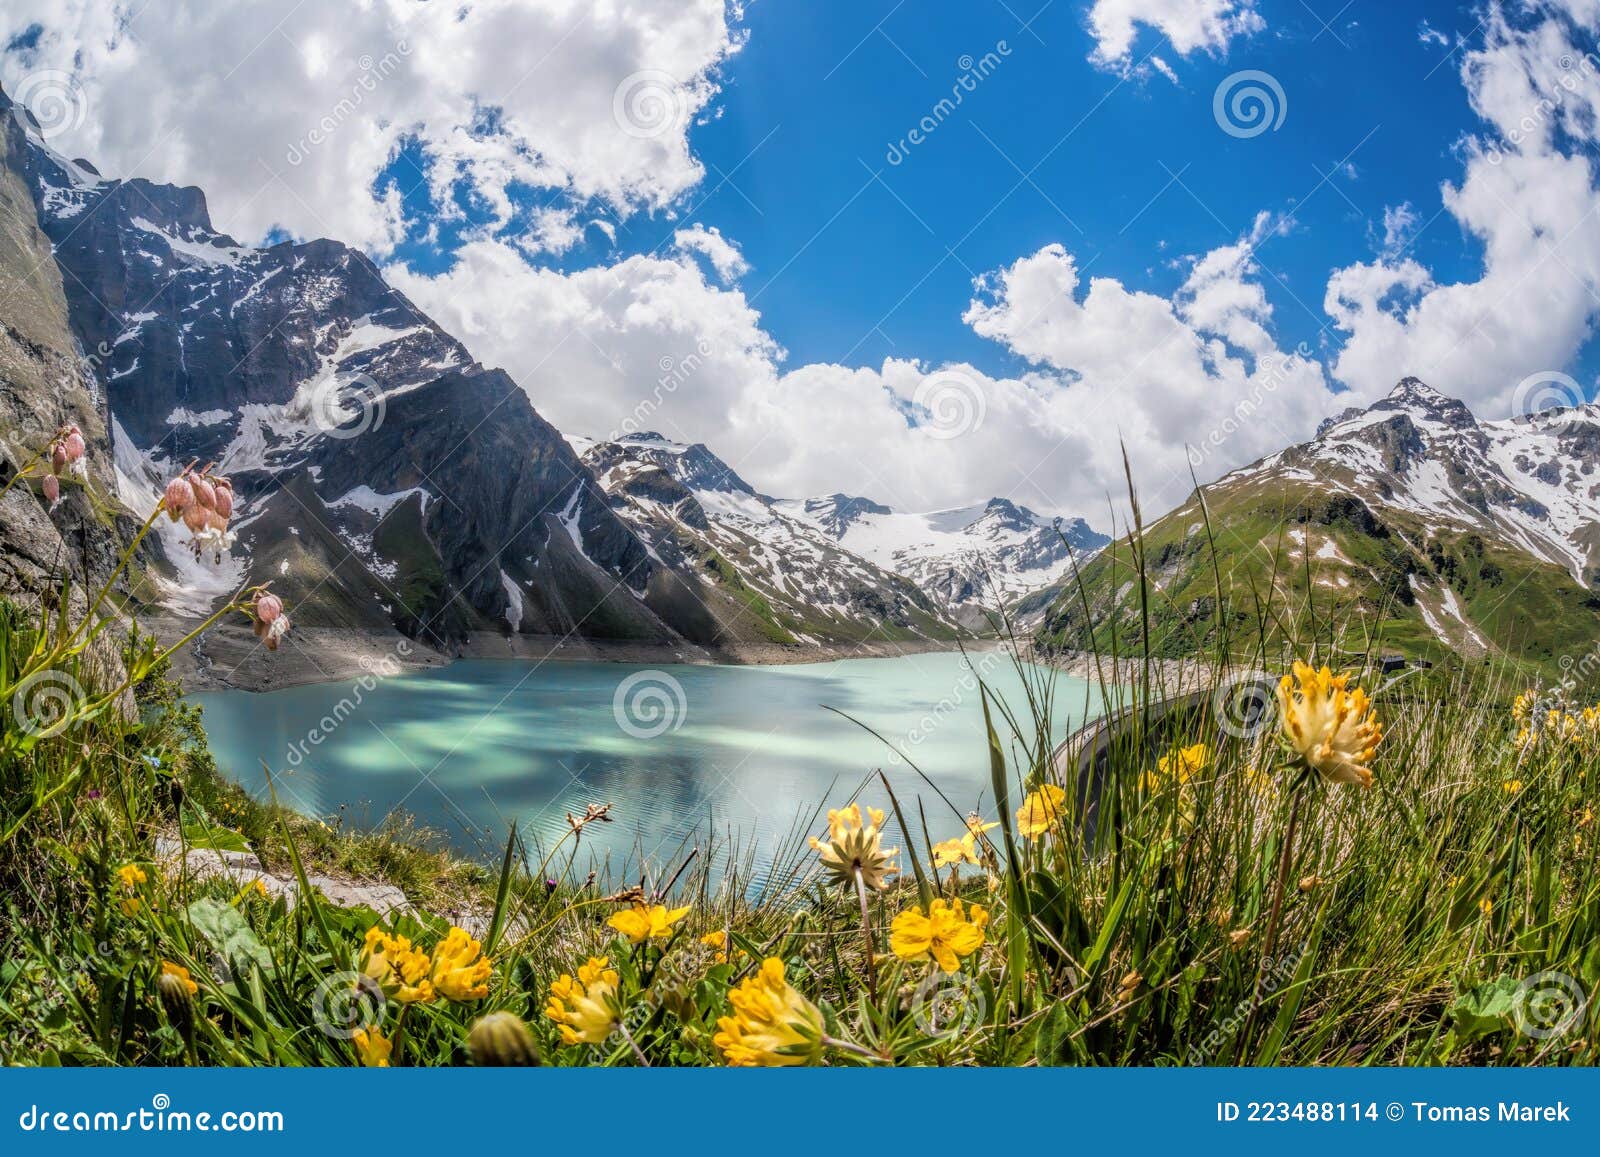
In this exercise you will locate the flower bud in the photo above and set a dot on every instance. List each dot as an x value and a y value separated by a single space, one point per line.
179 497
278 629
194 517
204 492
74 444
224 491
52 489
177 999
58 457
502 1040
268 607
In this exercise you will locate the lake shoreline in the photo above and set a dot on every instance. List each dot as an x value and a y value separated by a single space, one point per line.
228 657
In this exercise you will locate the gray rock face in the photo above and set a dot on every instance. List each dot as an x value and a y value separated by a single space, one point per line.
383 477
43 384
763 568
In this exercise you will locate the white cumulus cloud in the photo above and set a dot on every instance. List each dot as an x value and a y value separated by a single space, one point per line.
287 119
1188 25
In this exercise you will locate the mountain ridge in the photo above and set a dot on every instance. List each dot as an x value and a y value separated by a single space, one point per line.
1409 523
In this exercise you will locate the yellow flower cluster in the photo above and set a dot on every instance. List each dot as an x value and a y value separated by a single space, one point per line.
1334 729
133 877
407 975
1179 767
372 1047
962 849
588 1008
945 933
170 969
1554 724
854 847
772 1023
1041 810
647 922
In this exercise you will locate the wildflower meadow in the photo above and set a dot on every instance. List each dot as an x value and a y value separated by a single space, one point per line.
1348 871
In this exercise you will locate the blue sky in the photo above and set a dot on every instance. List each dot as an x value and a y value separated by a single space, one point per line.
1077 259
855 258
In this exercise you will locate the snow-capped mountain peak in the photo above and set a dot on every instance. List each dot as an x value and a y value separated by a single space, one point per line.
971 558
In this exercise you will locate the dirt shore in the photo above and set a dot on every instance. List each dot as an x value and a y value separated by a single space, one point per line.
229 656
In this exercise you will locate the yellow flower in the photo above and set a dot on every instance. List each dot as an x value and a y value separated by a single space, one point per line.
1512 786
946 933
641 922
1180 767
1486 906
718 942
1336 731
1039 812
170 969
131 875
402 972
459 971
855 847
1586 818
372 1047
1238 936
772 1024
958 851
587 1009
1522 709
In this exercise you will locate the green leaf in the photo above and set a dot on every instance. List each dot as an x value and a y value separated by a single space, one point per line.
230 935
1486 1009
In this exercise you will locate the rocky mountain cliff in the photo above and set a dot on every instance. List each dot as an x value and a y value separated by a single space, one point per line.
44 383
385 478
797 585
1407 525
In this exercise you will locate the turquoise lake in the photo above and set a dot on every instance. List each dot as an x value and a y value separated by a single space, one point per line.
687 755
